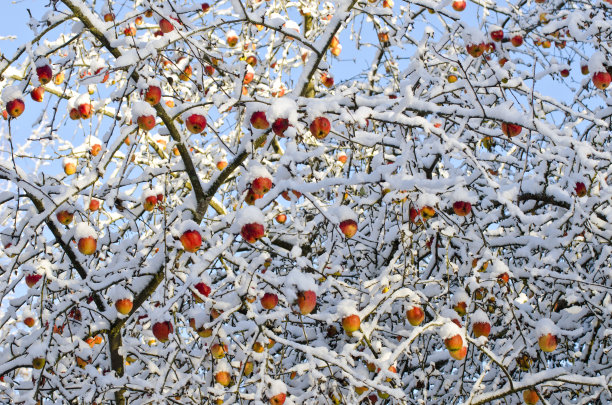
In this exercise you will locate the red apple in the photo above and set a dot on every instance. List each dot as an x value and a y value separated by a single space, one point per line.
511 130
129 31
196 123
580 189
281 218
74 114
252 232
261 185
29 321
45 74
87 245
251 60
320 127
453 343
37 94
251 197
94 205
278 399
15 107
269 300
32 279
548 343
327 80
517 40
279 126
584 69
503 278
564 72
153 95
166 26
497 35
231 39
348 228
530 397
85 111
306 301
161 330
481 329
223 377
149 203
601 80
209 70
203 289
186 73
191 240
205 7
415 316
342 158
146 122
259 121
64 217
462 208
459 5
124 306
351 323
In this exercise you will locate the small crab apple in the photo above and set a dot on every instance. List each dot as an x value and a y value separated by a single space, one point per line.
196 123
124 305
15 107
453 343
205 7
38 363
186 73
109 17
95 149
94 205
162 330
415 315
462 208
149 203
251 197
203 289
69 166
511 130
459 5
530 397
223 377
74 114
221 164
278 399
153 95
269 301
281 218
165 26
480 324
32 279
475 50
252 232
320 127
348 227
306 301
342 158
86 238
65 217
85 110
59 78
584 69
327 80
279 126
191 240
251 60
548 342
497 35
580 189
259 121
461 308
146 122
261 185
351 323
427 212
248 77
218 350
517 40
602 80
231 38
44 73
37 94
29 321
503 278
459 354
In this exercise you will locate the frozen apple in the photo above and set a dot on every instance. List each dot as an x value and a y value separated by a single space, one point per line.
269 301
261 185
415 315
32 279
124 306
602 80
191 240
459 5
453 343
458 354
517 40
580 189
15 108
351 323
86 238
320 127
511 130
162 330
44 73
259 121
548 342
252 232
348 227
218 350
279 126
85 110
195 123
203 289
281 218
462 208
530 397
165 26
65 217
37 94
497 35
306 301
153 95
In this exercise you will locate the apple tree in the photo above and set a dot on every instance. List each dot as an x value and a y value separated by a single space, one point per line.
292 202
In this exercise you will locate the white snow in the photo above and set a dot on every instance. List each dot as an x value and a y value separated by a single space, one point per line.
83 230
276 387
188 225
546 326
347 307
479 316
450 329
11 93
142 108
250 215
460 296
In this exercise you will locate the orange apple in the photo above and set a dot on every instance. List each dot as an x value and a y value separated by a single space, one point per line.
459 5
476 50
191 240
351 323
95 149
109 17
348 228
517 40
231 39
94 204
503 278
221 164
548 343
218 350
453 343
59 78
261 185
281 218
306 301
166 26
186 73
415 316
29 321
69 168
320 127
223 377
124 306
269 301
87 245
530 397
481 329
161 330
459 354
278 399
460 308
